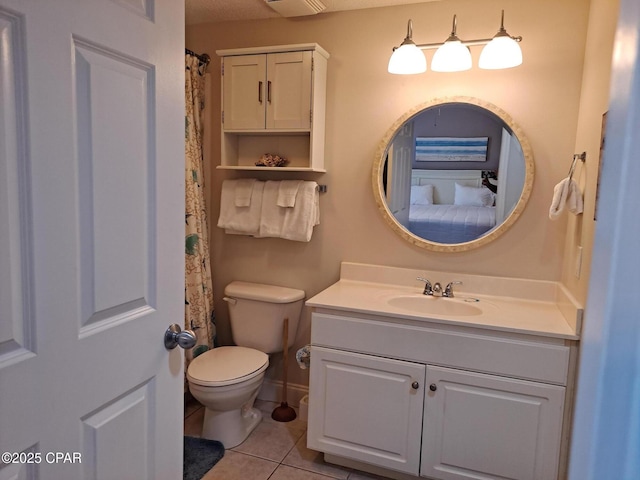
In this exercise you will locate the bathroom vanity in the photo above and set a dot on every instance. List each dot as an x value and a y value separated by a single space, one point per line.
409 385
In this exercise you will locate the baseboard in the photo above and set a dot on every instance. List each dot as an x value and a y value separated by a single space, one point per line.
271 391
365 467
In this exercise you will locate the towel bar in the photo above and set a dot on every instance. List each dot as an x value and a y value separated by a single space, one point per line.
577 156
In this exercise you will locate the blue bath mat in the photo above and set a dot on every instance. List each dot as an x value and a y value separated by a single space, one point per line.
200 455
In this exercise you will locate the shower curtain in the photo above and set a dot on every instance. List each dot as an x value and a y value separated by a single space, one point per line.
199 312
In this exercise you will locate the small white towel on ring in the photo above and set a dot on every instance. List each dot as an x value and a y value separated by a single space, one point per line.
287 191
566 194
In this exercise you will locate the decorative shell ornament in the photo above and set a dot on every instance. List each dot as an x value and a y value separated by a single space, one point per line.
269 160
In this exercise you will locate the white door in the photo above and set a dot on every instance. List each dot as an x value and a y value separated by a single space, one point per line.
399 174
511 173
91 238
606 425
366 408
489 427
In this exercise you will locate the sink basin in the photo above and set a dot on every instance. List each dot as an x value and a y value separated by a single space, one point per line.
435 305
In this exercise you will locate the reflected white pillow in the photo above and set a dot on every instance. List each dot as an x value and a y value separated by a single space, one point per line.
477 197
422 194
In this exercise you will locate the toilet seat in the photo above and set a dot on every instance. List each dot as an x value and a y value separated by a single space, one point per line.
227 366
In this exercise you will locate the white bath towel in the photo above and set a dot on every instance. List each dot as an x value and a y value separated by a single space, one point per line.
240 220
566 194
292 223
243 190
287 192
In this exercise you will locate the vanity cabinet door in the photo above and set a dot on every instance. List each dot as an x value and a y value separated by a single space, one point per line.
484 426
366 408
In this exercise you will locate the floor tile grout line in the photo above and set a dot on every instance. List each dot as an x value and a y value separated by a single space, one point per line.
280 463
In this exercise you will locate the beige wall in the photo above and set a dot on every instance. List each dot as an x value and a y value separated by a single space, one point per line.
363 101
594 101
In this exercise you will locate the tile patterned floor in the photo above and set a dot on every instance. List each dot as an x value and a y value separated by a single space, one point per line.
273 451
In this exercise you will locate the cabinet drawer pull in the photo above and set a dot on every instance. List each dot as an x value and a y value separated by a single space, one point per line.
259 92
415 385
269 91
433 387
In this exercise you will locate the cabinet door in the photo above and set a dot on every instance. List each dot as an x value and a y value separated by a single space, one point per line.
244 88
483 426
289 90
366 408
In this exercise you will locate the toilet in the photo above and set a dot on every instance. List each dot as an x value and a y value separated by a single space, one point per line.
226 380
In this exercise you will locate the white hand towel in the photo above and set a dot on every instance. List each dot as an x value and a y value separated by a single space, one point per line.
299 221
287 192
243 190
566 194
240 220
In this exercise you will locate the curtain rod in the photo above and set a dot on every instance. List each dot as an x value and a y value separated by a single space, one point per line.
204 58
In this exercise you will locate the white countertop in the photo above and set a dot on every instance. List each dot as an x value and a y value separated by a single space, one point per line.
538 308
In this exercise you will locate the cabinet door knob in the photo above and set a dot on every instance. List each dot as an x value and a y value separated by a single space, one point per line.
415 385
433 387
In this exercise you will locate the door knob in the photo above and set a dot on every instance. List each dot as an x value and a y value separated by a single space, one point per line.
175 336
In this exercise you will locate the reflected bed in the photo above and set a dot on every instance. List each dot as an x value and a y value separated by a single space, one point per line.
451 223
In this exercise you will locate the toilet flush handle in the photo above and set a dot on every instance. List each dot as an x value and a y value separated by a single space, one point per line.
230 300
174 336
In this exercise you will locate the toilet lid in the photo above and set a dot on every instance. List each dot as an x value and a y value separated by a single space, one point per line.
226 366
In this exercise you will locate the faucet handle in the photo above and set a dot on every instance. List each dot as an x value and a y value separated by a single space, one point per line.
448 291
428 290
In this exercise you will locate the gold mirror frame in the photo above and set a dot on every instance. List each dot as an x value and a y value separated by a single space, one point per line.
378 188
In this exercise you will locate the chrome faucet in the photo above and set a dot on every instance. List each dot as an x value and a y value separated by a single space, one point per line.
448 291
428 290
436 288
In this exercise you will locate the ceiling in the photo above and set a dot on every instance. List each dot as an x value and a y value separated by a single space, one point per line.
205 11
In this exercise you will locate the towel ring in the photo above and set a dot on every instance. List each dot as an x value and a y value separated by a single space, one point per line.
577 156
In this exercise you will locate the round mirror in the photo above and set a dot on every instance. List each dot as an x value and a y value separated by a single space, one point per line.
453 174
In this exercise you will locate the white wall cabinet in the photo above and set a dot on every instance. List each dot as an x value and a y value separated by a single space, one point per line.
267 91
273 101
407 410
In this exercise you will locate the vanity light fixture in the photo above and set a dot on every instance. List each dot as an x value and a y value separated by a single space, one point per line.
501 51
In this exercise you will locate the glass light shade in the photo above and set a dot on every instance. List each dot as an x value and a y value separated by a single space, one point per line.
407 59
501 52
452 56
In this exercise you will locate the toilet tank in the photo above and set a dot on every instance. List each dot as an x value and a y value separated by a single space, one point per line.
257 312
